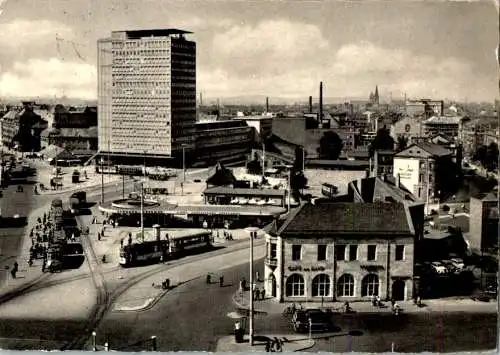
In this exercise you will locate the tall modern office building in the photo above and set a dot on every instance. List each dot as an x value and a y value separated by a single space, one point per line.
146 95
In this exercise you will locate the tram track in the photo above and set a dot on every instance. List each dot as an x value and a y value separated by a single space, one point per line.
100 310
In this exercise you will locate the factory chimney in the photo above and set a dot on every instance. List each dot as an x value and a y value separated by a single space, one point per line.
310 104
267 104
320 118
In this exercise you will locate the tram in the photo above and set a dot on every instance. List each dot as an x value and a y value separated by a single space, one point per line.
156 251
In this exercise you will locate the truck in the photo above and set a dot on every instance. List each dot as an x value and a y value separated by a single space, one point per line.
77 201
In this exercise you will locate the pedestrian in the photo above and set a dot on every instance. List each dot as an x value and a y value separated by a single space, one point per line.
379 302
263 293
130 239
393 302
30 261
208 279
221 281
121 242
374 300
99 236
257 276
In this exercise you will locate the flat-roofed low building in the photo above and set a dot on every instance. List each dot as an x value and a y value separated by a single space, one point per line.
223 141
341 251
263 125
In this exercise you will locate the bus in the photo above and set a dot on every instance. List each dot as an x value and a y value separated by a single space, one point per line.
170 248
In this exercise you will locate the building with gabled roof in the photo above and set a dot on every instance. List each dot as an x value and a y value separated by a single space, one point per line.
424 168
344 248
341 251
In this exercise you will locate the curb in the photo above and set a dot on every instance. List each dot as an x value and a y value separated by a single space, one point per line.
306 347
156 299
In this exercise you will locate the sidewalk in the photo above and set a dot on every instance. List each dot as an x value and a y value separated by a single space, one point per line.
271 306
291 343
26 274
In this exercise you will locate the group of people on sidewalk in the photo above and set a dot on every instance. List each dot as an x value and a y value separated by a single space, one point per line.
41 236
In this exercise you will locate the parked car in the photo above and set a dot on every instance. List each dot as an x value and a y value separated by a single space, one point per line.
319 321
438 267
450 266
458 263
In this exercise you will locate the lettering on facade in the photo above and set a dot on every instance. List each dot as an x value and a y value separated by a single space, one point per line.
405 173
312 268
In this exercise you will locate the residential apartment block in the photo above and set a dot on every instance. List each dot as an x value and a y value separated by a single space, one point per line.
146 94
420 169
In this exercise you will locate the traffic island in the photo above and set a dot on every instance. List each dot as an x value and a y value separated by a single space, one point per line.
290 343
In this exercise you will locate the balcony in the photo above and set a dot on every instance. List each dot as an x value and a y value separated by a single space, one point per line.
271 261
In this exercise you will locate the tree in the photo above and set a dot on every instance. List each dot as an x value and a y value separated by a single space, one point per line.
480 154
491 162
254 167
382 140
402 142
298 181
330 146
487 156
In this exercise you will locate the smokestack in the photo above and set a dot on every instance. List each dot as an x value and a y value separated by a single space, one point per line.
310 104
201 99
267 104
320 101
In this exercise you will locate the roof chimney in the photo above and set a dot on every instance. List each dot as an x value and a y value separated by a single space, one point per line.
310 104
320 118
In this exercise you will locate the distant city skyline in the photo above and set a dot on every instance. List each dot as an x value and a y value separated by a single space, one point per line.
264 48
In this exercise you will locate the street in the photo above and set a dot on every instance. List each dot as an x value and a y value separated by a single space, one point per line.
194 315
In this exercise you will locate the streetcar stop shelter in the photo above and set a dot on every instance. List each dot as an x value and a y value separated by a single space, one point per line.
128 212
220 195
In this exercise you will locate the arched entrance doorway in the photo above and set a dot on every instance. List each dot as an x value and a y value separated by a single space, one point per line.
272 281
398 290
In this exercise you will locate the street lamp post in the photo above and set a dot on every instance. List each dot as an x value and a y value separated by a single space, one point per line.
102 180
253 233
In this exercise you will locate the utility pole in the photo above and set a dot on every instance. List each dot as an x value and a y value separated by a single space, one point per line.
253 234
102 180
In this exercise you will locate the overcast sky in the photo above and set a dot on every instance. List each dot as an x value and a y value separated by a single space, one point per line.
274 48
